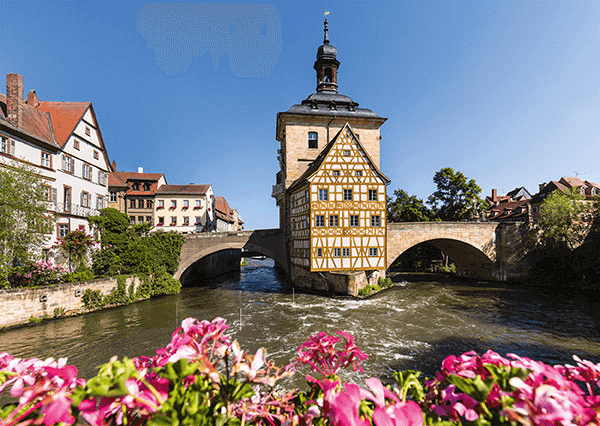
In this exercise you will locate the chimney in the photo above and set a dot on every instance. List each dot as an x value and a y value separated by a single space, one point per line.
494 194
542 186
140 169
32 99
14 99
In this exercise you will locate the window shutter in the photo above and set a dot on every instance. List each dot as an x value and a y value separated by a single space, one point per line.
54 196
12 147
64 162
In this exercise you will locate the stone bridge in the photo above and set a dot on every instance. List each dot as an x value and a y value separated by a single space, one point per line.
269 242
486 250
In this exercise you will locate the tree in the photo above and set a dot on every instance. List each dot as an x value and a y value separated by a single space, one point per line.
457 197
556 250
564 220
406 208
24 219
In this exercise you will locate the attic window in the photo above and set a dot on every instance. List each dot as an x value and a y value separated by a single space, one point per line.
75 144
346 152
87 131
96 156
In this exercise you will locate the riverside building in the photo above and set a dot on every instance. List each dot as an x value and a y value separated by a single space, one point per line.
330 192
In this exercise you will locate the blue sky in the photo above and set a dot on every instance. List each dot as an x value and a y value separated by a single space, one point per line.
506 92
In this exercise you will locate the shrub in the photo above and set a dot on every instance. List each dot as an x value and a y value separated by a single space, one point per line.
92 299
118 295
34 274
84 273
59 312
106 262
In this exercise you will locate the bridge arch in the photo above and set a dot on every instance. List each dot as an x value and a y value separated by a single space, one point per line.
269 242
471 246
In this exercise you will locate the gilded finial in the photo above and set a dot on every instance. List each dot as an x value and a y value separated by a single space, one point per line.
326 38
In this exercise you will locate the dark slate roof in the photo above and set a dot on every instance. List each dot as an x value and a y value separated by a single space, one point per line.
331 103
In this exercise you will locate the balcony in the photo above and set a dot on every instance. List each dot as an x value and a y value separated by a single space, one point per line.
73 209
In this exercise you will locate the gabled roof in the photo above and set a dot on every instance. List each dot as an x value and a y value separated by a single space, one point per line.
183 189
316 164
114 180
36 124
65 116
572 182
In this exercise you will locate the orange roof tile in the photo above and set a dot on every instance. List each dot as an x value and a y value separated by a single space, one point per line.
65 116
35 123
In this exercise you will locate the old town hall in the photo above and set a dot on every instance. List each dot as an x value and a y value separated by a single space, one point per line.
330 191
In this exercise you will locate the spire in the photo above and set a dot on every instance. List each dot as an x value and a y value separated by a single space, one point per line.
326 64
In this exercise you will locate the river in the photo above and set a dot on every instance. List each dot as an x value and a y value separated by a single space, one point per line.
411 326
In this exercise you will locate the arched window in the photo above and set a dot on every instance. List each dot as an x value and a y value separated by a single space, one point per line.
313 140
328 75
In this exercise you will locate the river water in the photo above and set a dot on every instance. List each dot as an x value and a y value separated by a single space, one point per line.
412 326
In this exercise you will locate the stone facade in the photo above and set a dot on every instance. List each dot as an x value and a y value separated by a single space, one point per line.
20 304
486 250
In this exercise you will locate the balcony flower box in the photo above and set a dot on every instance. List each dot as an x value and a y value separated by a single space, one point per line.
184 208
186 224
173 224
160 207
172 208
197 207
159 224
196 224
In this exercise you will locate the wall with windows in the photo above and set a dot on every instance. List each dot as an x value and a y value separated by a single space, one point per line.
298 142
337 221
81 177
185 213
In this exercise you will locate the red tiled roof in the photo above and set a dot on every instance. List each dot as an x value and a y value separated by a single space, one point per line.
183 189
115 180
223 210
594 184
222 205
125 176
572 182
65 116
35 122
508 209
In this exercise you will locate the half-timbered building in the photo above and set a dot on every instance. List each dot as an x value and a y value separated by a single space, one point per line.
329 190
338 210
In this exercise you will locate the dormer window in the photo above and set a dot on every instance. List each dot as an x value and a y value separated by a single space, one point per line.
313 140
88 132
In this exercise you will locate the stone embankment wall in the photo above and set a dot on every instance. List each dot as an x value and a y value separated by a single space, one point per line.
20 304
346 283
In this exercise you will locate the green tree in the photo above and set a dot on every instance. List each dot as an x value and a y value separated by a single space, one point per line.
457 197
24 220
557 253
406 208
114 229
564 220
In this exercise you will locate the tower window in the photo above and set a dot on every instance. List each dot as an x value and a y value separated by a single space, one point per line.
328 75
313 140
